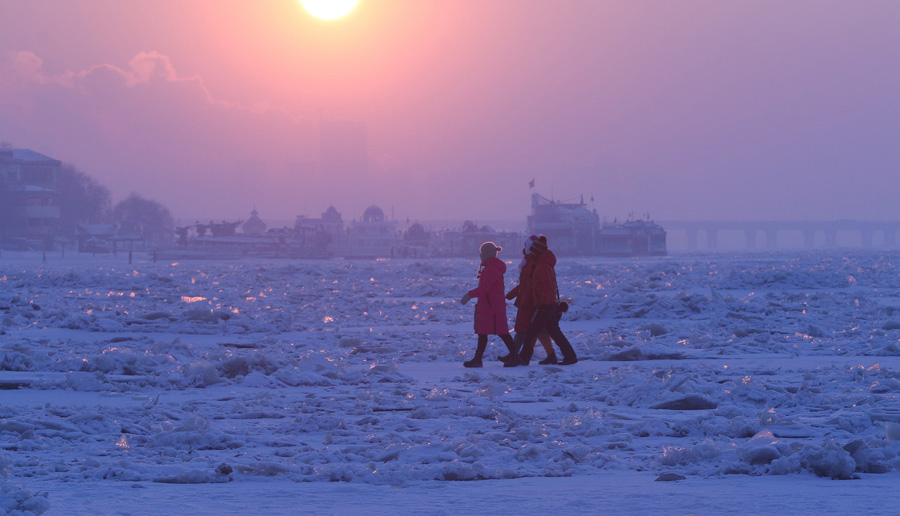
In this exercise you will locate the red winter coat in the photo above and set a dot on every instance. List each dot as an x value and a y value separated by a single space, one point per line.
523 293
490 312
544 284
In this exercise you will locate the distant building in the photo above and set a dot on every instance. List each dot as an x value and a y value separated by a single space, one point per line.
254 225
322 236
331 223
467 241
29 213
96 238
373 236
632 238
573 229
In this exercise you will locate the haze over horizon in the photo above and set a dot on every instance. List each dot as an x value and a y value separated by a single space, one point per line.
435 110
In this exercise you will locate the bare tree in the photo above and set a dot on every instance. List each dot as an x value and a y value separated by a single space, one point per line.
6 212
82 199
416 232
146 219
6 202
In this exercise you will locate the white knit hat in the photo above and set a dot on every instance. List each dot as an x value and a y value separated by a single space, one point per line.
490 249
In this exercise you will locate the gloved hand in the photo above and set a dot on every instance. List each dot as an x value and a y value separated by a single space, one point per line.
511 295
465 299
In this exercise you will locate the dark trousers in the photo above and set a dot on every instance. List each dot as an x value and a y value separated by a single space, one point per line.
483 341
546 318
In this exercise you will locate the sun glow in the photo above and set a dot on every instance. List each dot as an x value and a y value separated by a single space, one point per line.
329 9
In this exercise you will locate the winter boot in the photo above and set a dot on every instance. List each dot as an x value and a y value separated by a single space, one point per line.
551 359
547 344
479 352
512 359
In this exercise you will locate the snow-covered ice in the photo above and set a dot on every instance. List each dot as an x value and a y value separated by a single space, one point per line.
754 382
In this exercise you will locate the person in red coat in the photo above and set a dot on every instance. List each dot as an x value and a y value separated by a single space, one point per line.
490 312
546 300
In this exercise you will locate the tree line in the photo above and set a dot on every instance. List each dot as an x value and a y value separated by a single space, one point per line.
84 200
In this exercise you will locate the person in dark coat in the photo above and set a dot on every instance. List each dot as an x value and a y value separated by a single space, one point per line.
490 312
524 302
546 300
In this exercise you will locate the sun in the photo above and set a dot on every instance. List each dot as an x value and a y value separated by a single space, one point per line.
329 9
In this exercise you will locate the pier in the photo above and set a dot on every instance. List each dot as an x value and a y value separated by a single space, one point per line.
712 235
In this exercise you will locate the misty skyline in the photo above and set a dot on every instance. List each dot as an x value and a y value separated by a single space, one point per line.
698 110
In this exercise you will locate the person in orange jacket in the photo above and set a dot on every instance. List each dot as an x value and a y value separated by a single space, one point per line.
524 302
547 311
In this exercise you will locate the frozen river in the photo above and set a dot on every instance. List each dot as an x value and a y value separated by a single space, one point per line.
754 381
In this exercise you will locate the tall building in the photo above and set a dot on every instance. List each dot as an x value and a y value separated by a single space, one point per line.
28 207
571 228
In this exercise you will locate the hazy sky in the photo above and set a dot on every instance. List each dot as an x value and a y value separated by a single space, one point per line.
446 109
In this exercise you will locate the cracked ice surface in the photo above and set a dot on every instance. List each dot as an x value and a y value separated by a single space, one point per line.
205 372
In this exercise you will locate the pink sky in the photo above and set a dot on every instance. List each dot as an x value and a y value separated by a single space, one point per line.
696 109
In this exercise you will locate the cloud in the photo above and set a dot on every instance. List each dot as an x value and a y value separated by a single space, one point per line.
24 68
148 65
25 65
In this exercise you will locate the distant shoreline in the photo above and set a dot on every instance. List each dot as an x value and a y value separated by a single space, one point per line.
430 224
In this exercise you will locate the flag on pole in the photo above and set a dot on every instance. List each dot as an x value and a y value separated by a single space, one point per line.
531 183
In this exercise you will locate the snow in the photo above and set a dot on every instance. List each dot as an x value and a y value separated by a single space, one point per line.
750 382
